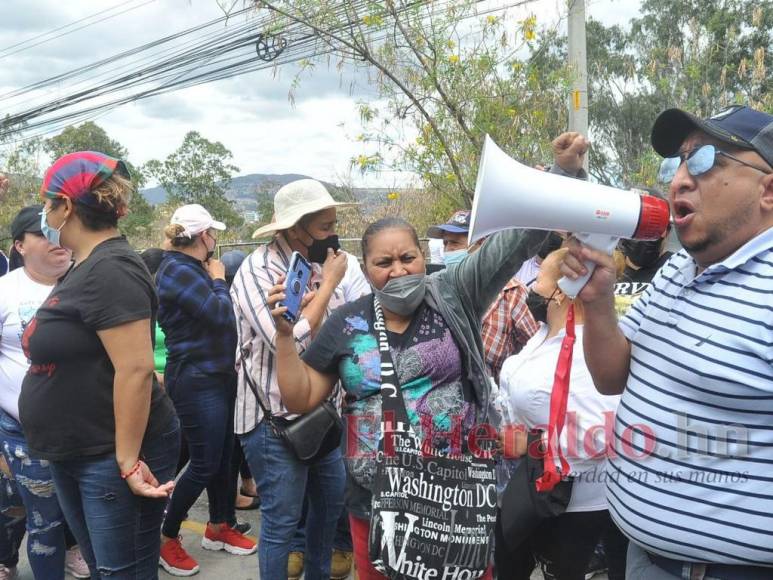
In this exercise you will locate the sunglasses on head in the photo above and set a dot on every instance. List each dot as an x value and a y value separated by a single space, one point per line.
699 160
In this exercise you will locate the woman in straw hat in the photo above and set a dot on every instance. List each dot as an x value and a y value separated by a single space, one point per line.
304 222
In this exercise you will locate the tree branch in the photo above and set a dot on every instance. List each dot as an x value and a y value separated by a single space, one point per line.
367 55
435 81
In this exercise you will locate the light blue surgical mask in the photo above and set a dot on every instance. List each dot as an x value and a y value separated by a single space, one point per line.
454 257
51 234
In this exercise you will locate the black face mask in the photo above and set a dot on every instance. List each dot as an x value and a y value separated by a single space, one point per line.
318 248
642 254
538 306
211 252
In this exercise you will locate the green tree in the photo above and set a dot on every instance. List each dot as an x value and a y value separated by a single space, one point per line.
91 137
451 74
139 224
21 163
199 171
699 55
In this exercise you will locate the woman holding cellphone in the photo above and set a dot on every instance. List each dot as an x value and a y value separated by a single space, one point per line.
304 222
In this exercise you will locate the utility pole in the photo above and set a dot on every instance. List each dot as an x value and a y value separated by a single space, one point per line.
578 63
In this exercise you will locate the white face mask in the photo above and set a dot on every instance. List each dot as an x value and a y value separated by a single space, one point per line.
403 295
53 235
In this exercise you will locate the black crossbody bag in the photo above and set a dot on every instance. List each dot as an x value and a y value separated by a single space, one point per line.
309 437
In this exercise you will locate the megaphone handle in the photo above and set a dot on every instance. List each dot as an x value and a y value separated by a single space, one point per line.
601 242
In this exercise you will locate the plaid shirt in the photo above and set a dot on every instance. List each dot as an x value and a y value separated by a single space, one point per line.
507 326
196 314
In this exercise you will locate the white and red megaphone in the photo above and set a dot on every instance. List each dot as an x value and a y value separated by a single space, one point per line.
510 195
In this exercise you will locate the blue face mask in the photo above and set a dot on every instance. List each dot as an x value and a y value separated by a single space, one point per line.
454 257
51 234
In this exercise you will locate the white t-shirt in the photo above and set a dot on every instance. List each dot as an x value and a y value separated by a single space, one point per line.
20 298
436 252
526 382
354 284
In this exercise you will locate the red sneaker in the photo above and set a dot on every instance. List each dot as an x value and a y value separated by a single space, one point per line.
175 560
224 537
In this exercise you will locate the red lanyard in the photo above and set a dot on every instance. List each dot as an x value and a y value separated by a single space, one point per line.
558 399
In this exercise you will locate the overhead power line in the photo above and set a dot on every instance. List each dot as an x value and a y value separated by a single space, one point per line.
205 53
63 30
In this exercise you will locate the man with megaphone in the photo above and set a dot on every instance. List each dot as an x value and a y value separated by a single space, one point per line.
692 359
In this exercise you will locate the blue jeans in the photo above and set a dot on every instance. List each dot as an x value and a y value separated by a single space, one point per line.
343 537
11 524
283 482
117 531
205 405
46 546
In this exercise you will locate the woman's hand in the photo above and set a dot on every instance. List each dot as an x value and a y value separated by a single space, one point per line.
143 482
215 269
275 295
569 151
334 268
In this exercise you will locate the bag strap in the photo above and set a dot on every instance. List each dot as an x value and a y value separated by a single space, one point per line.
551 476
391 396
253 386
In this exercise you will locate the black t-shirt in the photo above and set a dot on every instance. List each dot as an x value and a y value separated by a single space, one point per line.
66 401
633 283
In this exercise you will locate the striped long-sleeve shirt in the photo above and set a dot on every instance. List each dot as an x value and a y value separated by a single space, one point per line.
257 330
691 471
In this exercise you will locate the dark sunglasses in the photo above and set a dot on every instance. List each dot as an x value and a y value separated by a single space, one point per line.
698 160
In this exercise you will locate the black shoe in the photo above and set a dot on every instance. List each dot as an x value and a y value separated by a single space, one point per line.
597 564
253 505
242 527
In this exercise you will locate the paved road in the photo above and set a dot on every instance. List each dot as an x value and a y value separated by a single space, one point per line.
214 565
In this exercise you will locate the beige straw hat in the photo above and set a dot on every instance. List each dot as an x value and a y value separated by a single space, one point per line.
295 200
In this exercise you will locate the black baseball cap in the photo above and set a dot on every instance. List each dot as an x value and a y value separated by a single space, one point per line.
739 126
27 220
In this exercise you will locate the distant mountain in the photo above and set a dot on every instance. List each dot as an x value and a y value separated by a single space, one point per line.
241 189
244 190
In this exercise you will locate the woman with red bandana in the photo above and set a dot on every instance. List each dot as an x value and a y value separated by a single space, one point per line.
90 404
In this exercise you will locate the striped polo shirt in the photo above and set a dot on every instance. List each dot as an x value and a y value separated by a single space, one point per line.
691 472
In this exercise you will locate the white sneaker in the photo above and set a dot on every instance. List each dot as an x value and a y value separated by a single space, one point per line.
8 573
75 564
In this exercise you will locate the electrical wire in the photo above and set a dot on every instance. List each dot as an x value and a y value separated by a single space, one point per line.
205 55
20 46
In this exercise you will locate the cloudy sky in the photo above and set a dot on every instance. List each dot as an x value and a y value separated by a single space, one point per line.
250 114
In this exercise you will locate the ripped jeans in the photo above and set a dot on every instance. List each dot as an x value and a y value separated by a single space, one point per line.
119 533
46 526
11 522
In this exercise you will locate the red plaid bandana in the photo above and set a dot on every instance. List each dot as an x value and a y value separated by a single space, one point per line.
77 175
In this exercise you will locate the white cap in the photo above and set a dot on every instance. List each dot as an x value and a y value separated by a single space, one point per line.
195 219
295 200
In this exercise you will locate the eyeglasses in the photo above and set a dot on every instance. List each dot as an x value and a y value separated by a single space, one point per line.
699 161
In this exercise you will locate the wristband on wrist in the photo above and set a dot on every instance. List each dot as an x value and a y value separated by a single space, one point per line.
132 471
